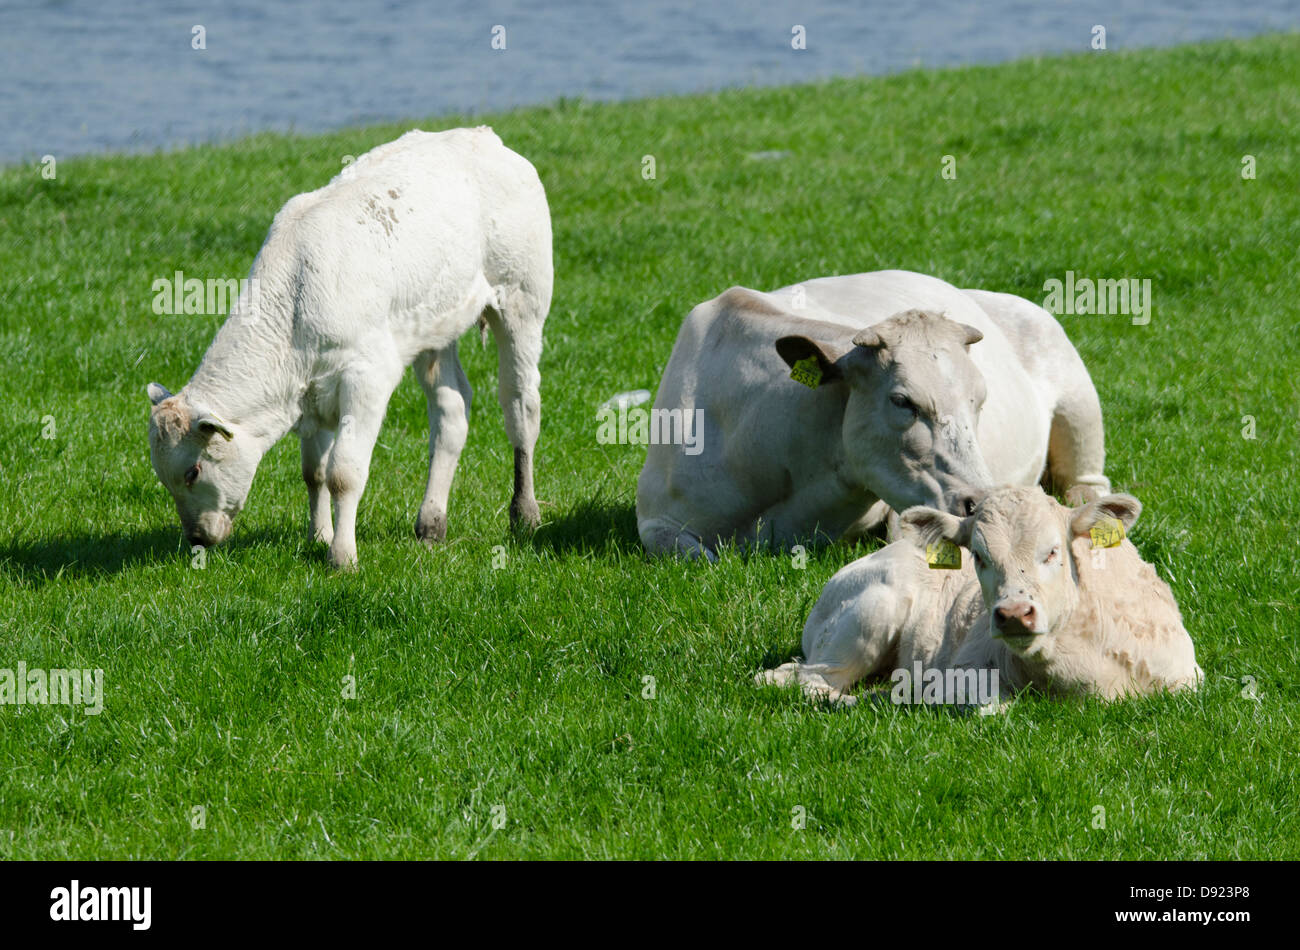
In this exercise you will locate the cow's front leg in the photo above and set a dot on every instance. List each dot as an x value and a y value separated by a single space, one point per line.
361 412
315 460
448 393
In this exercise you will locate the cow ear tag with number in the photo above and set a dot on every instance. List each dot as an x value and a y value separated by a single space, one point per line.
943 556
807 371
1107 533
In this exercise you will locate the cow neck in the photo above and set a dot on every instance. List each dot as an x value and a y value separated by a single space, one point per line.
252 376
847 475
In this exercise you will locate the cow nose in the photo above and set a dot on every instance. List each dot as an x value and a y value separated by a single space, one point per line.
209 530
1020 615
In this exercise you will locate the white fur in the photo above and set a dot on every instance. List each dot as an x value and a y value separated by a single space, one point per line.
385 266
783 463
1104 623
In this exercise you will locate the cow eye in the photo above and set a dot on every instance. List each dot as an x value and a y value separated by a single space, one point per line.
979 561
1052 555
191 474
902 402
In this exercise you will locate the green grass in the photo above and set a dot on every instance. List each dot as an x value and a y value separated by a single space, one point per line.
522 686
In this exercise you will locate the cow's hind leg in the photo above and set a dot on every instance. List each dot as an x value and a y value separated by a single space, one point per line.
517 325
1076 448
853 632
449 395
811 679
315 461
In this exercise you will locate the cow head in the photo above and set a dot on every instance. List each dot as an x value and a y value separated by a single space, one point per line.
912 410
202 461
1020 541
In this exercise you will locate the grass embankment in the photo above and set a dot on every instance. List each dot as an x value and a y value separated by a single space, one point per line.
523 686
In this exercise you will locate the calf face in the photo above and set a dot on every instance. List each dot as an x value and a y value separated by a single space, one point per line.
1020 543
202 462
912 410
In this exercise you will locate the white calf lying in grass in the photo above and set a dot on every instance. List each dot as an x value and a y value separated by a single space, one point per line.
1034 600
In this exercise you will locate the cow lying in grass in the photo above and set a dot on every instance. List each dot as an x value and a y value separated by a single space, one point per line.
823 403
385 266
1037 599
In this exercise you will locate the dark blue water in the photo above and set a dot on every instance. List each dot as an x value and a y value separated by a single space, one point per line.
91 75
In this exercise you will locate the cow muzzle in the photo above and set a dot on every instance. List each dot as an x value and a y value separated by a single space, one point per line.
1016 622
211 529
962 502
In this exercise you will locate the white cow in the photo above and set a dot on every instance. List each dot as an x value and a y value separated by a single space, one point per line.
1037 598
385 266
927 395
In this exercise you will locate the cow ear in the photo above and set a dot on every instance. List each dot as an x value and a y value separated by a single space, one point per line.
157 393
869 338
930 525
793 349
1124 508
209 425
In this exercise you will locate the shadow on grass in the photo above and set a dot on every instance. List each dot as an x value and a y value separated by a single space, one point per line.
600 525
593 525
85 555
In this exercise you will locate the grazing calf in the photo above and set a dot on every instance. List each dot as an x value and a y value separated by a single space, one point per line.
822 405
385 266
1037 600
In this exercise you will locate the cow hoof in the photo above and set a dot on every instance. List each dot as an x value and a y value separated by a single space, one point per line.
524 514
431 526
783 675
343 560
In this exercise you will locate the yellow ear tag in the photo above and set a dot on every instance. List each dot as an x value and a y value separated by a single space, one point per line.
1107 533
807 371
943 556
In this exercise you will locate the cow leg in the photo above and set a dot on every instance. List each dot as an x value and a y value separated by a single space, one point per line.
853 631
362 403
879 519
449 395
517 326
810 679
666 536
1076 449
315 461
692 547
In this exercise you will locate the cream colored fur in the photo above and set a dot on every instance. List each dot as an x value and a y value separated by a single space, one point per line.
1105 624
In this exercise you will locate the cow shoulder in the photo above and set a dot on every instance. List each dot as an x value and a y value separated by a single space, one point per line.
737 320
749 302
743 315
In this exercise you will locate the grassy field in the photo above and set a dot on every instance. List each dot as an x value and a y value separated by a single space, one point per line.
510 682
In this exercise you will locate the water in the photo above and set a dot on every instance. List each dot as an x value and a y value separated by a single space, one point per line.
92 75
